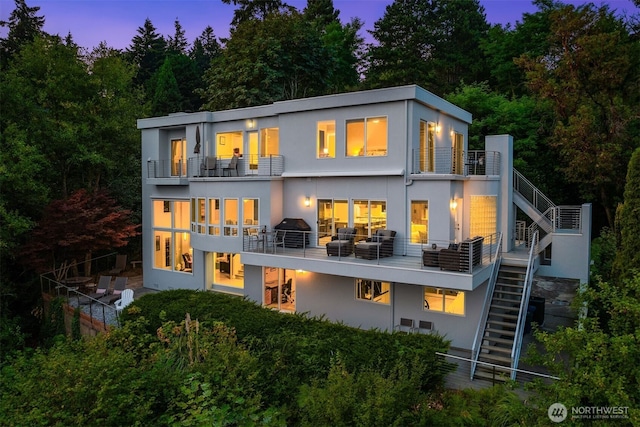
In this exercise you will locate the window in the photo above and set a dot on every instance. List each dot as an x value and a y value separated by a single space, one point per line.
444 300
366 137
419 221
172 240
214 217
250 222
427 146
226 142
373 290
178 157
457 145
228 269
230 217
369 216
269 142
326 139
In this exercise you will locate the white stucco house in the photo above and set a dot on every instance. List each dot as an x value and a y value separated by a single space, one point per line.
218 185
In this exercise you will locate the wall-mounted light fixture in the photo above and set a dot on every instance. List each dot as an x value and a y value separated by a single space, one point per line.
453 204
251 124
307 201
438 127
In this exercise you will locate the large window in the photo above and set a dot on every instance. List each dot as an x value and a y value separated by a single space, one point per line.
483 213
326 139
373 290
419 221
427 146
226 142
228 269
366 137
444 300
171 237
269 142
230 217
369 216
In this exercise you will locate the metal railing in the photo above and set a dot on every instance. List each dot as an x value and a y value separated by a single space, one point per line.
443 160
531 193
199 167
311 244
524 305
498 370
477 342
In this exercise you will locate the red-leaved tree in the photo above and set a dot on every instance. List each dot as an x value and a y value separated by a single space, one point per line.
75 228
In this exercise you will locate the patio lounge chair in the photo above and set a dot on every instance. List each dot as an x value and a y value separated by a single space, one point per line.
101 290
118 287
378 246
232 168
342 243
126 298
121 264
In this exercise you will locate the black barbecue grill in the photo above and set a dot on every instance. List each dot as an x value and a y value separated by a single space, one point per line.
293 232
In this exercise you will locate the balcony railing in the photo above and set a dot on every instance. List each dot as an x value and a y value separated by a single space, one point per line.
463 257
443 160
196 167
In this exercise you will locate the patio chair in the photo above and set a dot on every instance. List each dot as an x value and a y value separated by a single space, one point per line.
342 243
188 261
378 246
118 287
126 298
209 166
232 167
102 289
121 264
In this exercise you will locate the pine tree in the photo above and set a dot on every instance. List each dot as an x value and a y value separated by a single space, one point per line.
24 26
628 223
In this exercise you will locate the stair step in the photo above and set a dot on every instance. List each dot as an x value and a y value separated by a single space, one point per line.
501 323
486 373
491 358
507 308
500 331
501 291
512 269
495 348
503 315
504 281
498 340
510 300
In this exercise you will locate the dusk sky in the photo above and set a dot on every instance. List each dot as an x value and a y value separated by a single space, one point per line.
117 21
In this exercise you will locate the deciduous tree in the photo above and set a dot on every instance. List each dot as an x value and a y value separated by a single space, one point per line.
75 228
591 78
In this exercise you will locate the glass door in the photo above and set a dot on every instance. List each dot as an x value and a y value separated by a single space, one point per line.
279 289
332 214
253 150
178 157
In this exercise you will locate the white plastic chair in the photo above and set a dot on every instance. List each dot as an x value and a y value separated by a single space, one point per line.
126 298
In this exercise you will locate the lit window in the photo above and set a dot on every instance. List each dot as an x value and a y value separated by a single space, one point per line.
419 221
172 240
230 217
326 139
366 137
373 290
444 300
214 217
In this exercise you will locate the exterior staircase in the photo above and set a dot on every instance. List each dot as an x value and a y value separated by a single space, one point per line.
496 346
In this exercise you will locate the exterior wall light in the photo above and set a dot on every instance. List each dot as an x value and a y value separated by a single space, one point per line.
307 201
251 124
438 128
453 204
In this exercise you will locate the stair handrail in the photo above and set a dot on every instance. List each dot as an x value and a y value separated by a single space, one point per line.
524 305
538 199
475 353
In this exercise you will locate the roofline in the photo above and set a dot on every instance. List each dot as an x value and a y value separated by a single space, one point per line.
347 99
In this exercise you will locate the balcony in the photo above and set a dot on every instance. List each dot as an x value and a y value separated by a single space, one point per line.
443 161
463 269
179 173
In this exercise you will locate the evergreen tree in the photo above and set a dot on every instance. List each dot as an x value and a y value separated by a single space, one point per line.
249 10
146 52
628 223
166 95
321 13
205 49
24 26
177 44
